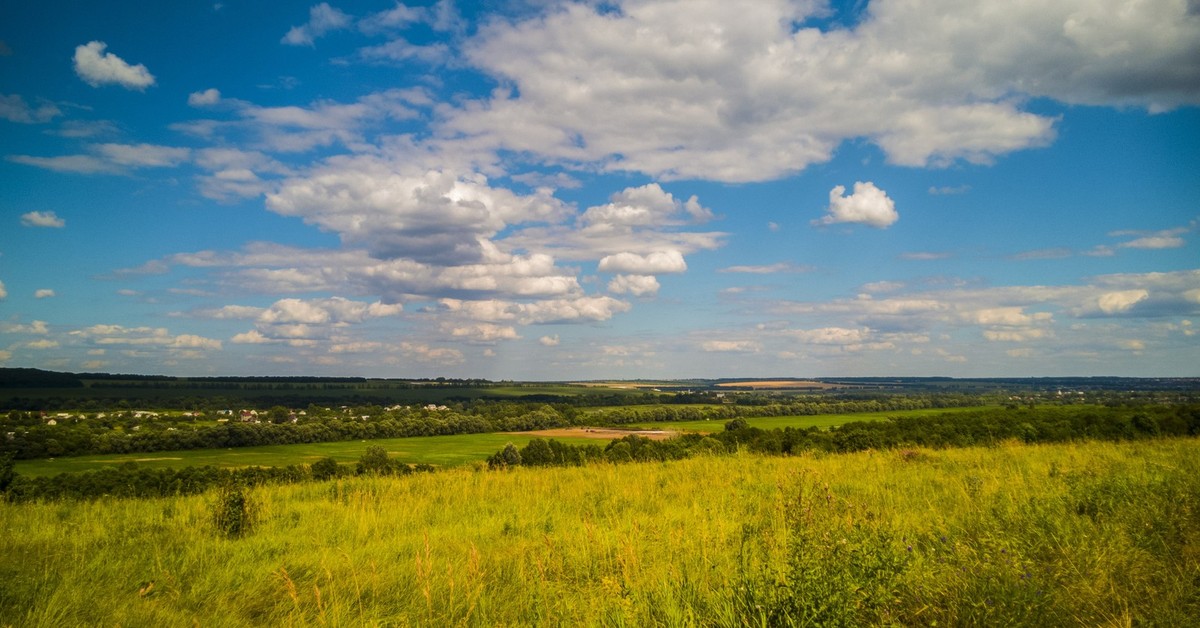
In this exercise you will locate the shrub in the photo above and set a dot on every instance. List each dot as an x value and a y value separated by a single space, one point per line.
324 469
374 461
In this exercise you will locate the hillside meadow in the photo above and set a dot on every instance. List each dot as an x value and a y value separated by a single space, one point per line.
1075 534
1071 534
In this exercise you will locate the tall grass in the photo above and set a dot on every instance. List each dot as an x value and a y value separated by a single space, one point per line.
1081 534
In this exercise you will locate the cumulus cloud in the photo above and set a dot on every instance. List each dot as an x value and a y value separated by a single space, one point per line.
633 86
35 327
3 291
322 19
97 68
300 322
43 293
1120 301
658 262
14 109
549 341
867 205
210 96
637 285
42 219
146 338
432 216
481 332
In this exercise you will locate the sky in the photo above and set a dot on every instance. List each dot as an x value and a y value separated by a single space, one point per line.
549 190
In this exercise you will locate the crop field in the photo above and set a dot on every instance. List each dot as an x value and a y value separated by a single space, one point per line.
803 421
436 450
1084 534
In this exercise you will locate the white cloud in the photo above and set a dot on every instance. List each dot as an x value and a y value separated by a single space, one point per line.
1121 301
146 339
549 341
730 346
481 332
297 129
35 327
658 262
924 256
42 219
110 159
3 291
81 164
42 344
1154 242
432 216
719 90
97 68
867 205
767 269
637 285
14 109
142 155
322 19
210 96
580 309
43 293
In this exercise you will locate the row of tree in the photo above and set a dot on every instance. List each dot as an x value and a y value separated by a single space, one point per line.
1047 424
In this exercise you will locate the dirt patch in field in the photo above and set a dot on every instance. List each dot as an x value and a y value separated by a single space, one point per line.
598 432
776 384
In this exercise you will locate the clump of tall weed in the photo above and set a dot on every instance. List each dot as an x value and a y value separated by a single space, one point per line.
842 567
233 513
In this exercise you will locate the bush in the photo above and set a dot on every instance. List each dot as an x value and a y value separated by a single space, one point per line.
507 457
374 461
324 469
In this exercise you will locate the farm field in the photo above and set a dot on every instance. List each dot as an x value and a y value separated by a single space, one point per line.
803 421
436 450
1074 534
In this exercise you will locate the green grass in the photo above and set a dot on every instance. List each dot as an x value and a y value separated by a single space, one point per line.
1092 534
804 421
436 450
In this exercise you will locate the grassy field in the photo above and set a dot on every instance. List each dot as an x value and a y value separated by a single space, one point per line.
805 421
435 450
1093 534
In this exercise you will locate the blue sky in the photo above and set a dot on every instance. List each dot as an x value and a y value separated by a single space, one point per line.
571 190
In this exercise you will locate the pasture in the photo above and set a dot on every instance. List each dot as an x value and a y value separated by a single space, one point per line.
444 451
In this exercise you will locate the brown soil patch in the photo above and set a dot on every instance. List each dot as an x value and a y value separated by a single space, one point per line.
604 433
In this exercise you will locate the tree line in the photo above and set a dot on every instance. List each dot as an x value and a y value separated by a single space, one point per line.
1045 424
